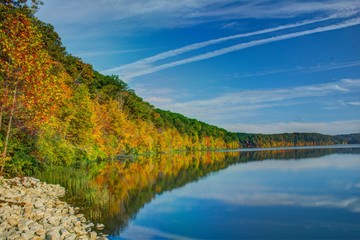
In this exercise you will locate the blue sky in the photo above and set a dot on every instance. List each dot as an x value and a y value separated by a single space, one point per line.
247 66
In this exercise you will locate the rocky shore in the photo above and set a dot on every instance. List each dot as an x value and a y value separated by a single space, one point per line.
31 209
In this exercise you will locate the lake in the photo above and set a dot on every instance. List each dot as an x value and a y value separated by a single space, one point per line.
289 193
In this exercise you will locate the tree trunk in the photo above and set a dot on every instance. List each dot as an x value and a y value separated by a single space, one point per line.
1 114
9 124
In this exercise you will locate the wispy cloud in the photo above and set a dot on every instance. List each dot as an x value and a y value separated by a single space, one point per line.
145 63
159 13
277 9
144 68
354 103
340 104
255 99
108 52
157 100
317 68
228 109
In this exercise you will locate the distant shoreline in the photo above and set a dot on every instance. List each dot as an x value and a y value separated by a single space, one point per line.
293 147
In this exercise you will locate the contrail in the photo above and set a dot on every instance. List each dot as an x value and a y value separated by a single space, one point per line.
237 47
143 63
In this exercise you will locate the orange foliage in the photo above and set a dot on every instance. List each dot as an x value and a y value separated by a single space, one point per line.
27 72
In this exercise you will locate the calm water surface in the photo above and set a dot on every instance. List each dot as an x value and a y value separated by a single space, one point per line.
301 193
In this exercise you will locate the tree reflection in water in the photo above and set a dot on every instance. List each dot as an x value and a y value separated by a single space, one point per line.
113 192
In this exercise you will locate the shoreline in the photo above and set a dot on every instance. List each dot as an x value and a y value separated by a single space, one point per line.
31 209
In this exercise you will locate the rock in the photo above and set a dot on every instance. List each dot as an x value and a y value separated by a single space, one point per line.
90 225
54 220
83 238
71 237
26 235
13 221
37 215
77 229
27 214
5 215
72 211
100 226
28 206
30 209
40 232
23 228
38 204
53 235
64 210
37 238
92 235
29 222
14 236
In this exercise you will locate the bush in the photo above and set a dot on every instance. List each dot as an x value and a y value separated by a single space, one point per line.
22 164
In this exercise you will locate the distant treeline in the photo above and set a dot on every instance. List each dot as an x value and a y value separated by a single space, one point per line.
294 139
193 127
57 109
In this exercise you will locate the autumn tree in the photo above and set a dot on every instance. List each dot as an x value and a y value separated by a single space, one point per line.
27 6
30 80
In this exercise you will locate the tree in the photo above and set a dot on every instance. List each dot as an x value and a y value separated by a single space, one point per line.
28 6
30 80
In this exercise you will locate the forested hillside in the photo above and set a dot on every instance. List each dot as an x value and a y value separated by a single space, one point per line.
57 109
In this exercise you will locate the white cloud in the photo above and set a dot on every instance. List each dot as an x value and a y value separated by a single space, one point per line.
257 191
139 232
143 68
255 99
156 100
246 198
332 127
230 109
317 163
354 103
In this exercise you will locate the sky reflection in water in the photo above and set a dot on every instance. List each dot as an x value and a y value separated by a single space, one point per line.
302 198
